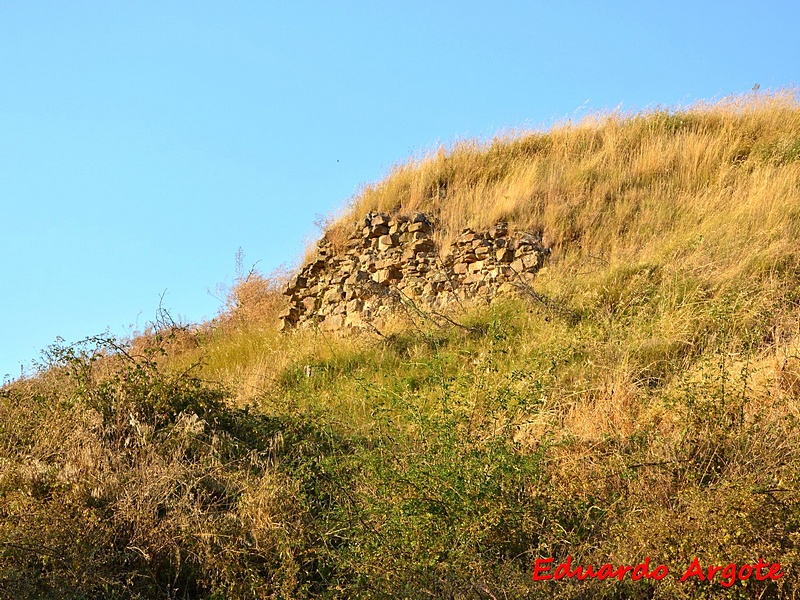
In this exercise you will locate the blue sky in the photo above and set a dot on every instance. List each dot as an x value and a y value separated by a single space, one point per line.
143 143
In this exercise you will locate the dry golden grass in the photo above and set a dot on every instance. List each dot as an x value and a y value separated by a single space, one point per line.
621 184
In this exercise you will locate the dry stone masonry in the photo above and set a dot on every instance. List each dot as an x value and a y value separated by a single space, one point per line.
391 262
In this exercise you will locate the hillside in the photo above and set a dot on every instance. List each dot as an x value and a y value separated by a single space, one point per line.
641 401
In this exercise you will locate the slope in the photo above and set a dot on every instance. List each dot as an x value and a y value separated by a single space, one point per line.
645 405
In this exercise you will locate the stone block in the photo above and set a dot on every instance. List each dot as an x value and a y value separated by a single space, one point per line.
479 243
460 268
290 314
532 262
333 295
417 236
295 283
423 245
531 239
309 304
332 323
387 276
476 266
420 227
467 237
504 255
377 231
419 217
353 319
499 230
355 305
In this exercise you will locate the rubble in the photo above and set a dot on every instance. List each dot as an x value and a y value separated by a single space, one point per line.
389 261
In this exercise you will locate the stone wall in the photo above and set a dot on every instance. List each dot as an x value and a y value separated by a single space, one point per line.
388 263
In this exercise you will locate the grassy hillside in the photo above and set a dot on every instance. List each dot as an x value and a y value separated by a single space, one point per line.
648 406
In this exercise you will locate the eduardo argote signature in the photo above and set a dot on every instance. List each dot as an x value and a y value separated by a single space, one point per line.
725 575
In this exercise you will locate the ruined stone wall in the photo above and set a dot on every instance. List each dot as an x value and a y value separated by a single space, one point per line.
389 262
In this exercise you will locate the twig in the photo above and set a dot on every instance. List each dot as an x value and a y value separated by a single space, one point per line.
542 299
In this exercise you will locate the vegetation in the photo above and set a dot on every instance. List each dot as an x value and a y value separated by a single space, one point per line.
648 408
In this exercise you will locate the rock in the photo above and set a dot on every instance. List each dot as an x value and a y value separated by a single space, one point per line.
290 313
499 230
532 262
358 277
385 257
383 263
386 276
295 283
333 296
420 227
309 304
385 242
354 320
476 266
423 245
417 236
376 231
479 243
504 255
355 305
467 237
332 323
531 239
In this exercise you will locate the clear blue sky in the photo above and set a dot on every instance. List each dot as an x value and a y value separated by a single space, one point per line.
142 143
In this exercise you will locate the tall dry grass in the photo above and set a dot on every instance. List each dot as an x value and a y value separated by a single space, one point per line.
620 184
